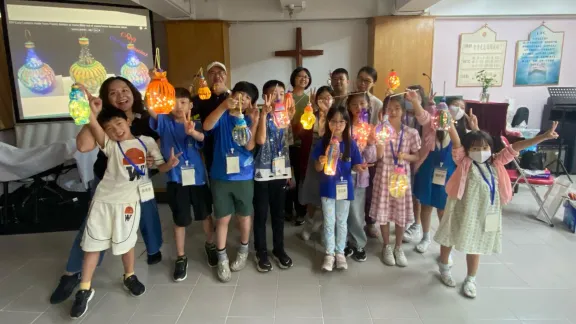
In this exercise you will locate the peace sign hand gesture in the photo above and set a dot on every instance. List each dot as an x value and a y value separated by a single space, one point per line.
174 158
267 104
189 124
551 133
472 120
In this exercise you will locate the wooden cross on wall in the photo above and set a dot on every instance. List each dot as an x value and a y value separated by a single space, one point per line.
299 52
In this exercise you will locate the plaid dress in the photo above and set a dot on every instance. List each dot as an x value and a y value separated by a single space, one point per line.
385 208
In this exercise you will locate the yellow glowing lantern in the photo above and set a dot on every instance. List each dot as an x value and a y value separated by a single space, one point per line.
393 80
160 94
204 92
398 183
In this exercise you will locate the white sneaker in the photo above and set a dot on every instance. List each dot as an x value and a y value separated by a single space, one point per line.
388 255
446 278
469 288
341 263
328 263
311 226
423 245
412 233
240 262
224 273
400 257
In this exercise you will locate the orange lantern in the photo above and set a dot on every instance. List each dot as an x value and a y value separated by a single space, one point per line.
393 80
160 94
288 100
203 90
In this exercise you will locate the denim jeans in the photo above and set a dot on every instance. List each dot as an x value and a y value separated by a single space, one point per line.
149 227
335 224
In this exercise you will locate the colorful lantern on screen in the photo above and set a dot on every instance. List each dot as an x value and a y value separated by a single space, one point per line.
393 80
384 131
203 90
398 183
160 94
134 70
308 119
241 133
36 75
87 70
442 119
78 106
332 154
281 118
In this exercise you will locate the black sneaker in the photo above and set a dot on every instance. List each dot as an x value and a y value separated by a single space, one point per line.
134 286
284 261
348 251
299 221
359 255
262 262
211 254
65 288
154 258
180 268
80 306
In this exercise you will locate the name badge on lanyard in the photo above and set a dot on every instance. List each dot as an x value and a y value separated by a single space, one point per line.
188 174
492 220
440 173
279 165
232 163
145 189
276 145
342 189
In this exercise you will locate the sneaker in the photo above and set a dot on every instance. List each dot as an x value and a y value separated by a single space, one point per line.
134 286
423 245
371 231
80 305
305 234
65 288
412 233
341 263
348 251
211 254
262 262
283 260
400 257
299 221
359 255
446 278
224 273
240 262
154 258
469 288
328 263
311 226
388 255
180 268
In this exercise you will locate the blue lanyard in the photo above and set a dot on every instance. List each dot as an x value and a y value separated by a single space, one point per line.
491 186
442 155
140 172
175 140
395 155
276 138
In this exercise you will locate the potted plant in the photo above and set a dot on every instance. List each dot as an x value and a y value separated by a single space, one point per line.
486 82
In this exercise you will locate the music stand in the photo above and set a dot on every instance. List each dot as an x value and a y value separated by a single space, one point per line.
562 97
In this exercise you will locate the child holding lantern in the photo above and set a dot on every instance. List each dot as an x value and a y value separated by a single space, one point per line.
392 196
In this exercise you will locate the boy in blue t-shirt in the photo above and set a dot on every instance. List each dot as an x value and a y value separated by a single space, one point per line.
232 172
186 183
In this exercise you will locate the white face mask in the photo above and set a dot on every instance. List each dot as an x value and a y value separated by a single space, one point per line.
456 112
480 156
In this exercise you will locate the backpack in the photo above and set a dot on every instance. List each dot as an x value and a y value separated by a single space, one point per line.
520 116
532 160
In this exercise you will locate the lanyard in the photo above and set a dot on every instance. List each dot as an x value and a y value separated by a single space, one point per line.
276 138
395 155
140 172
442 155
491 186
177 144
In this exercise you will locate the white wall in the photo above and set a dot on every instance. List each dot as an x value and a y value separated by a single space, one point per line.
252 47
503 7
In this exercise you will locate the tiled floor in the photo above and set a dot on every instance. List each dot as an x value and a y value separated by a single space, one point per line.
532 281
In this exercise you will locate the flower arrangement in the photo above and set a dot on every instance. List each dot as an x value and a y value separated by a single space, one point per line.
485 80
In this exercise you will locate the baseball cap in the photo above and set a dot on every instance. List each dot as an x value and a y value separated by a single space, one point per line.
218 64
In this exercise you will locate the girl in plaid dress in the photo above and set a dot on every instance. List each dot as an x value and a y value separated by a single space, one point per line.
395 155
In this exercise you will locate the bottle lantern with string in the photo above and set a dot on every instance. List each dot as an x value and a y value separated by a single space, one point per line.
87 70
393 80
135 70
442 119
160 94
398 183
241 133
384 131
362 131
204 92
308 119
281 119
78 106
333 155
35 75
289 100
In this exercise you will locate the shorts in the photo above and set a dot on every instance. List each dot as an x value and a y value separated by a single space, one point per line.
181 197
232 197
111 225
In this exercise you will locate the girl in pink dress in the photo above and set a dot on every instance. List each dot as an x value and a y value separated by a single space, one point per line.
394 157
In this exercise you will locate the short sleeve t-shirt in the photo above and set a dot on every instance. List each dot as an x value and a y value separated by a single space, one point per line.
224 146
126 169
274 147
343 170
202 109
173 136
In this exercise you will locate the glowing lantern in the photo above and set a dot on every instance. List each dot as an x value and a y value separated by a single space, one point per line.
393 80
332 155
241 133
160 94
87 70
203 90
78 106
36 75
134 70
362 131
398 182
442 119
308 119
384 131
281 118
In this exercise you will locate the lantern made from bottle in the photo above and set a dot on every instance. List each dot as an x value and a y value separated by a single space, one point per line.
361 134
398 182
384 131
442 119
393 80
281 118
333 155
87 70
241 133
204 92
135 70
36 75
160 94
78 106
289 100
308 119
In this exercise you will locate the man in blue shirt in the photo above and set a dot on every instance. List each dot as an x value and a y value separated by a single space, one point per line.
232 171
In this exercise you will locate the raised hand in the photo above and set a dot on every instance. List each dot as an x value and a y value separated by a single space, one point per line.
254 113
86 92
323 159
189 124
267 104
551 133
95 105
231 103
313 95
472 120
174 158
412 95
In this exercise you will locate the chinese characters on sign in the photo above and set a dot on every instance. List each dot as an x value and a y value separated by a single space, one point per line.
538 59
480 51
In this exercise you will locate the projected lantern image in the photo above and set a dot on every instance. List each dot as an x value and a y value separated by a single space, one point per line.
134 70
36 75
78 106
332 155
160 94
442 119
87 70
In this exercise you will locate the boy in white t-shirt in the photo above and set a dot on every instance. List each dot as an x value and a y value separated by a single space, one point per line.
114 214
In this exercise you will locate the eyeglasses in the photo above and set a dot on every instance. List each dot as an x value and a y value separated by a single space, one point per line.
219 73
303 77
366 81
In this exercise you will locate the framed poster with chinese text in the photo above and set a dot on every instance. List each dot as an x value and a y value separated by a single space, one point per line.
480 51
538 59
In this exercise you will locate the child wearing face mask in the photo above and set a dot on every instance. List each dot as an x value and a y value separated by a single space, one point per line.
477 190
